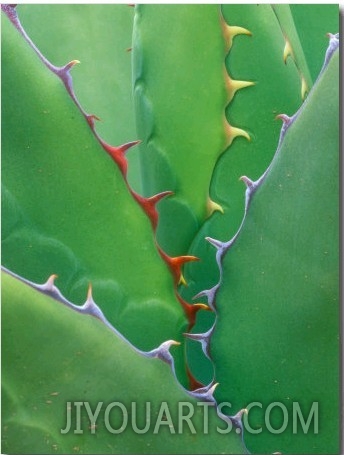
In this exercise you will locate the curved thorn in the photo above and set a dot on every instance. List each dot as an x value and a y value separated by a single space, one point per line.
304 88
91 120
216 243
230 31
163 352
287 52
70 65
233 85
191 310
49 285
213 206
89 292
284 117
210 294
176 263
118 154
205 393
203 338
233 132
149 205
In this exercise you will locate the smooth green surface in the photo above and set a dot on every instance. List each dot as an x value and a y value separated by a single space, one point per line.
320 19
66 209
52 355
277 337
180 98
99 36
257 58
286 20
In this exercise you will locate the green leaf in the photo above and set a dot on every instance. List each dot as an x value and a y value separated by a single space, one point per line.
253 109
52 355
97 36
180 98
293 48
313 22
276 339
100 37
67 210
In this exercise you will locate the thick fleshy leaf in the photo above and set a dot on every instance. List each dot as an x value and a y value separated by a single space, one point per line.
253 109
293 47
312 23
276 88
67 210
276 339
180 97
53 356
98 36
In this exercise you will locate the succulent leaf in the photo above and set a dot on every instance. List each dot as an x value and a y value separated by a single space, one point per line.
320 20
104 68
180 96
67 210
277 280
253 108
146 219
66 357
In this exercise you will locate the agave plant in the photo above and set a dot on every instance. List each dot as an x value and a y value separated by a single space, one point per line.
174 266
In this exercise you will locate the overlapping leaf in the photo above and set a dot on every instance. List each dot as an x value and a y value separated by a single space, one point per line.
66 208
276 339
58 356
276 88
180 98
